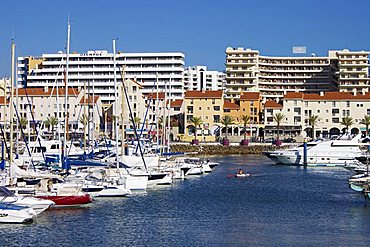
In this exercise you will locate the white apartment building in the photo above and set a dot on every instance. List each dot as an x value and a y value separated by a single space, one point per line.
96 69
198 78
247 70
330 107
353 71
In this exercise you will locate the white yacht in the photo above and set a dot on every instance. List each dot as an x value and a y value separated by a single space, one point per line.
321 153
38 205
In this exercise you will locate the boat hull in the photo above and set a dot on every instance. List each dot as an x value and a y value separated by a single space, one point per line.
68 201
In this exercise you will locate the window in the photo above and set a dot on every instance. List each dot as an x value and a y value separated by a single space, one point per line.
335 120
216 108
306 104
295 103
216 118
334 104
200 108
334 112
226 110
348 104
134 89
297 110
190 109
213 101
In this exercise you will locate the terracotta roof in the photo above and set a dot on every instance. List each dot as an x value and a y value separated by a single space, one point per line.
293 95
2 100
203 94
230 106
89 100
154 95
176 103
250 96
328 96
272 104
37 91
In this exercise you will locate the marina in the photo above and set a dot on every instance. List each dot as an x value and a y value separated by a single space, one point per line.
277 206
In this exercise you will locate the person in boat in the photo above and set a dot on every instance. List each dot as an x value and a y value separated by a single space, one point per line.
240 172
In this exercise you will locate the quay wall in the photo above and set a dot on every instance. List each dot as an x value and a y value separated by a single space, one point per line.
225 150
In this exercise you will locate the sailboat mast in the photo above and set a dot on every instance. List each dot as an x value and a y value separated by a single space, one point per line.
17 108
11 102
169 115
122 111
85 118
115 98
157 113
66 93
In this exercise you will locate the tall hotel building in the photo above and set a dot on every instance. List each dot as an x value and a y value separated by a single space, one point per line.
198 78
95 68
247 70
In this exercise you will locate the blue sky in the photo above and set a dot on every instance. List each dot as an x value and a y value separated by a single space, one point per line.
200 29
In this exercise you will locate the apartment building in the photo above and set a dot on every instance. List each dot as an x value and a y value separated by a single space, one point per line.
353 71
38 104
198 78
96 68
248 70
330 107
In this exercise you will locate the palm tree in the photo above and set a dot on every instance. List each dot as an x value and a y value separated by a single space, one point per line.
23 122
196 121
226 121
347 121
312 121
366 121
47 123
51 122
137 122
246 119
279 118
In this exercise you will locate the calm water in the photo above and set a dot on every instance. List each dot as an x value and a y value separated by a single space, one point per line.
278 206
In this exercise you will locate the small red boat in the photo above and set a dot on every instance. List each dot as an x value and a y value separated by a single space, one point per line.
68 200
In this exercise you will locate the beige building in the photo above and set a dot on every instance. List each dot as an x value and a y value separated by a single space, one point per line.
43 103
208 105
330 107
353 71
247 70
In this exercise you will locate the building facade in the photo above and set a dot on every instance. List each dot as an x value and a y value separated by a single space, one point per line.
330 107
96 68
38 104
198 78
247 70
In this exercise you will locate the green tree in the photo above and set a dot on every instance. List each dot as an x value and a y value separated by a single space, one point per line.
47 123
347 121
137 122
366 121
279 118
227 121
51 122
313 121
196 121
246 119
23 122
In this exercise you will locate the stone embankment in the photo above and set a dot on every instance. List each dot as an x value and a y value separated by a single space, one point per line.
225 150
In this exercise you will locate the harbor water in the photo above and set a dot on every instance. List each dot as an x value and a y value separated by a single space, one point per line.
277 206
